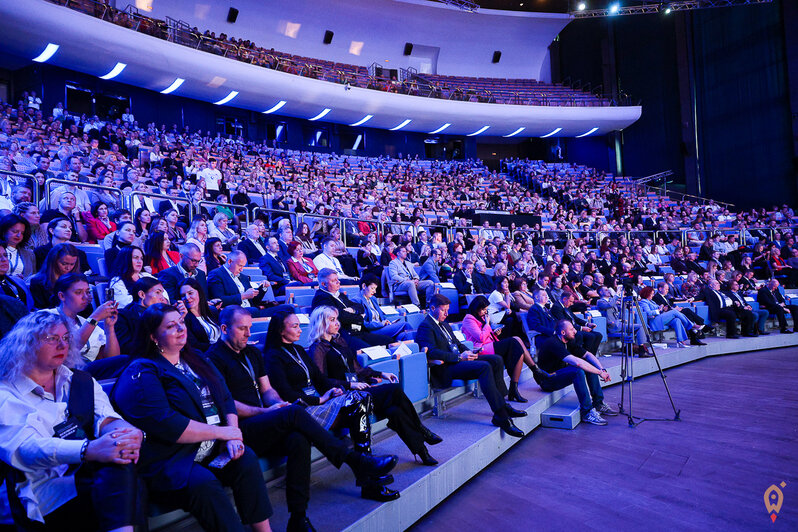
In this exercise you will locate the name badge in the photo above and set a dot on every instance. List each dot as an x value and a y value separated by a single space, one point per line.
310 390
351 377
213 420
453 347
69 430
356 327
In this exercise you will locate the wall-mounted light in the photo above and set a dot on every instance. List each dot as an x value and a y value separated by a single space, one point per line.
227 98
444 126
114 71
547 135
400 126
588 133
478 131
320 115
362 121
48 52
279 105
514 133
173 87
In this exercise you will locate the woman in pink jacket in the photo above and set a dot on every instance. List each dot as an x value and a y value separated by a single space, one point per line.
477 329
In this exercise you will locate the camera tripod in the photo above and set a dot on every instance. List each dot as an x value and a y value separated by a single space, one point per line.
630 309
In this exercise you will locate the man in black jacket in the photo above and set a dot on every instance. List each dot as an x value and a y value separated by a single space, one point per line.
271 426
721 307
483 283
770 298
757 318
585 337
350 314
190 258
540 318
663 297
450 360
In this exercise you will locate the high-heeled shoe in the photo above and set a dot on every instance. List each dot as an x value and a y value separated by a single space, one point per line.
430 438
425 458
513 394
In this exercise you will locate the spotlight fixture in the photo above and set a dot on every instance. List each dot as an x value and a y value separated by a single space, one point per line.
614 8
581 6
666 9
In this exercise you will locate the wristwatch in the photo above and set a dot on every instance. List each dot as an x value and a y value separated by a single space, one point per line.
93 321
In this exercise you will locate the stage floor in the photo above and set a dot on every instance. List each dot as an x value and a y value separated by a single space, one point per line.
707 472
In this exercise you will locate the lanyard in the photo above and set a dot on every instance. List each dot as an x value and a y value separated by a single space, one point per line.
248 366
298 359
343 358
15 262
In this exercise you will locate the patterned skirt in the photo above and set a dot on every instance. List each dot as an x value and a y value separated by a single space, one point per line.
327 413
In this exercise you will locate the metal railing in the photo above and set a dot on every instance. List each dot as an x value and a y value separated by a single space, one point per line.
48 184
232 206
18 176
138 194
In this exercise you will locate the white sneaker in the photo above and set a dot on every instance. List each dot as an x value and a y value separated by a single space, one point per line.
594 418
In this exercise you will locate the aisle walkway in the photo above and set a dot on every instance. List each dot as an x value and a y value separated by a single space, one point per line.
708 472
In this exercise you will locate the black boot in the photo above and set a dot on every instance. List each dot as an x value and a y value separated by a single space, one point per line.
693 335
513 394
359 424
429 437
299 523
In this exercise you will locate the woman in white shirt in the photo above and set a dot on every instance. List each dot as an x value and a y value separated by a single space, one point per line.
125 271
15 231
502 311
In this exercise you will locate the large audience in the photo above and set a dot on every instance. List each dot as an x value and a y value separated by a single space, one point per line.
143 255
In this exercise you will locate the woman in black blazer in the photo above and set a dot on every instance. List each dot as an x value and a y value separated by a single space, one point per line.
295 377
194 446
202 320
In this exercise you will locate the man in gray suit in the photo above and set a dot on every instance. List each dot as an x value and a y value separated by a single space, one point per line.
405 280
375 320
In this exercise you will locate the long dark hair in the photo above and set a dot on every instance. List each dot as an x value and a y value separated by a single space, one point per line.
274 336
151 319
137 220
210 260
47 272
477 304
10 220
153 248
123 266
203 299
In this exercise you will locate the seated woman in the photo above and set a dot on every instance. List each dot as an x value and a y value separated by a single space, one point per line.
220 228
98 223
658 320
10 285
61 260
374 320
15 233
348 263
202 320
301 268
127 269
502 311
338 363
142 218
197 235
176 233
74 296
520 290
194 446
294 377
368 256
306 239
158 254
477 329
214 254
124 237
35 383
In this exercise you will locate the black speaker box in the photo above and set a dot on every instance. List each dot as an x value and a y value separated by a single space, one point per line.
408 48
328 35
232 15
497 55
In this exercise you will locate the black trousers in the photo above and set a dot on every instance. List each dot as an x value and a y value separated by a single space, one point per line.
360 340
730 316
289 432
204 496
589 340
510 352
692 316
513 327
390 402
747 319
780 315
489 371
109 497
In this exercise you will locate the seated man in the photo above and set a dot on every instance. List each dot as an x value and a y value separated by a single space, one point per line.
540 319
190 259
349 314
253 246
610 310
271 426
375 319
404 279
483 283
758 318
566 363
586 337
274 267
770 298
463 279
327 259
431 268
232 287
455 361
721 307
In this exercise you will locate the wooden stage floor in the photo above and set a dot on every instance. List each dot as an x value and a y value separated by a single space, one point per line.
707 472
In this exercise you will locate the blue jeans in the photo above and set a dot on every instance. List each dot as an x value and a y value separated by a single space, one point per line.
586 385
680 324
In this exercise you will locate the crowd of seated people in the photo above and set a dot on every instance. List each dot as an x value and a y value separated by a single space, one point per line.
175 286
487 90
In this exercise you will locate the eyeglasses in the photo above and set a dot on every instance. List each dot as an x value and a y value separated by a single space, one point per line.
53 339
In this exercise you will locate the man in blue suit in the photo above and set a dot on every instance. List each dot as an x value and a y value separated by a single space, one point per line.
375 319
274 267
190 258
540 319
235 288
431 267
253 245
